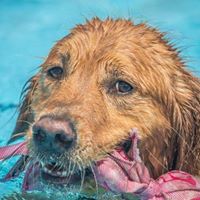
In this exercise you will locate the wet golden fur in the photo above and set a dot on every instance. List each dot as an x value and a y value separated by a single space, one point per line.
164 106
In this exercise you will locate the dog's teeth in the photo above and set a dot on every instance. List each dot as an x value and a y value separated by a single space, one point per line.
57 173
64 173
47 170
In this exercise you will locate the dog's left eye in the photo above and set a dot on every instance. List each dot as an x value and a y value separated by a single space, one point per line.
55 72
123 87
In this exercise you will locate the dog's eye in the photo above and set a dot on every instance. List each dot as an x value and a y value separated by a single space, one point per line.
55 72
123 87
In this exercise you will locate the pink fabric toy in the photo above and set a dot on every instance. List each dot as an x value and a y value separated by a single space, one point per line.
122 173
13 150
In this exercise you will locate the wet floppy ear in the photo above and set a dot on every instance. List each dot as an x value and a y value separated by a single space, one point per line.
181 141
25 117
186 123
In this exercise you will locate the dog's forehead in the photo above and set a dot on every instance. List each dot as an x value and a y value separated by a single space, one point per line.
94 41
115 42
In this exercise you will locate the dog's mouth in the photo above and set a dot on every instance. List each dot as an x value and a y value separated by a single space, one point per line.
53 170
40 172
50 169
56 174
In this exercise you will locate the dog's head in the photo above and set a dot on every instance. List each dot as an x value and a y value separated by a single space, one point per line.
97 83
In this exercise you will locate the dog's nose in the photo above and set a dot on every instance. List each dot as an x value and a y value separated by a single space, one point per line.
53 135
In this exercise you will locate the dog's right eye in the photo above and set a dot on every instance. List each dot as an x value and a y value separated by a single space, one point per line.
55 72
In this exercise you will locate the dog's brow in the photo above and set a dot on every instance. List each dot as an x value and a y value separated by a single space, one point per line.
64 59
114 71
118 72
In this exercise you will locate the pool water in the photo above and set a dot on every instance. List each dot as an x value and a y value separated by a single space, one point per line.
29 28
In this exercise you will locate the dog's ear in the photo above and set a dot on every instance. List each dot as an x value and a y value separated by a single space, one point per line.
25 117
186 123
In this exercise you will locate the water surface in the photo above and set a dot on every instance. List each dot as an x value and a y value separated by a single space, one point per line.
29 28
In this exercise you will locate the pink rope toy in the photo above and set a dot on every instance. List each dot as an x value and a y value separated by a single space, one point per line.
13 150
122 173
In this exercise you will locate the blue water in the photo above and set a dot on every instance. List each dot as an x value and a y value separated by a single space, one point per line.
29 28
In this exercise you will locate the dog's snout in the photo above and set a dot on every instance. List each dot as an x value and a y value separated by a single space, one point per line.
64 139
53 135
39 134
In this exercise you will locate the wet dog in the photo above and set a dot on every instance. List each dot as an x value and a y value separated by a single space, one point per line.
99 82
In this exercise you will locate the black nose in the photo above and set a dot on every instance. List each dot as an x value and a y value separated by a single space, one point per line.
53 135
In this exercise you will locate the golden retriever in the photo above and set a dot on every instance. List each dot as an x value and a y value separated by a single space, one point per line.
99 82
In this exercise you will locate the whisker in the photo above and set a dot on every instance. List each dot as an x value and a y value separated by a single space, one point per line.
71 172
82 179
189 147
13 137
69 167
164 167
60 165
95 179
82 171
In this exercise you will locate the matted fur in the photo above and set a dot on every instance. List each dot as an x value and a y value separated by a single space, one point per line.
164 107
